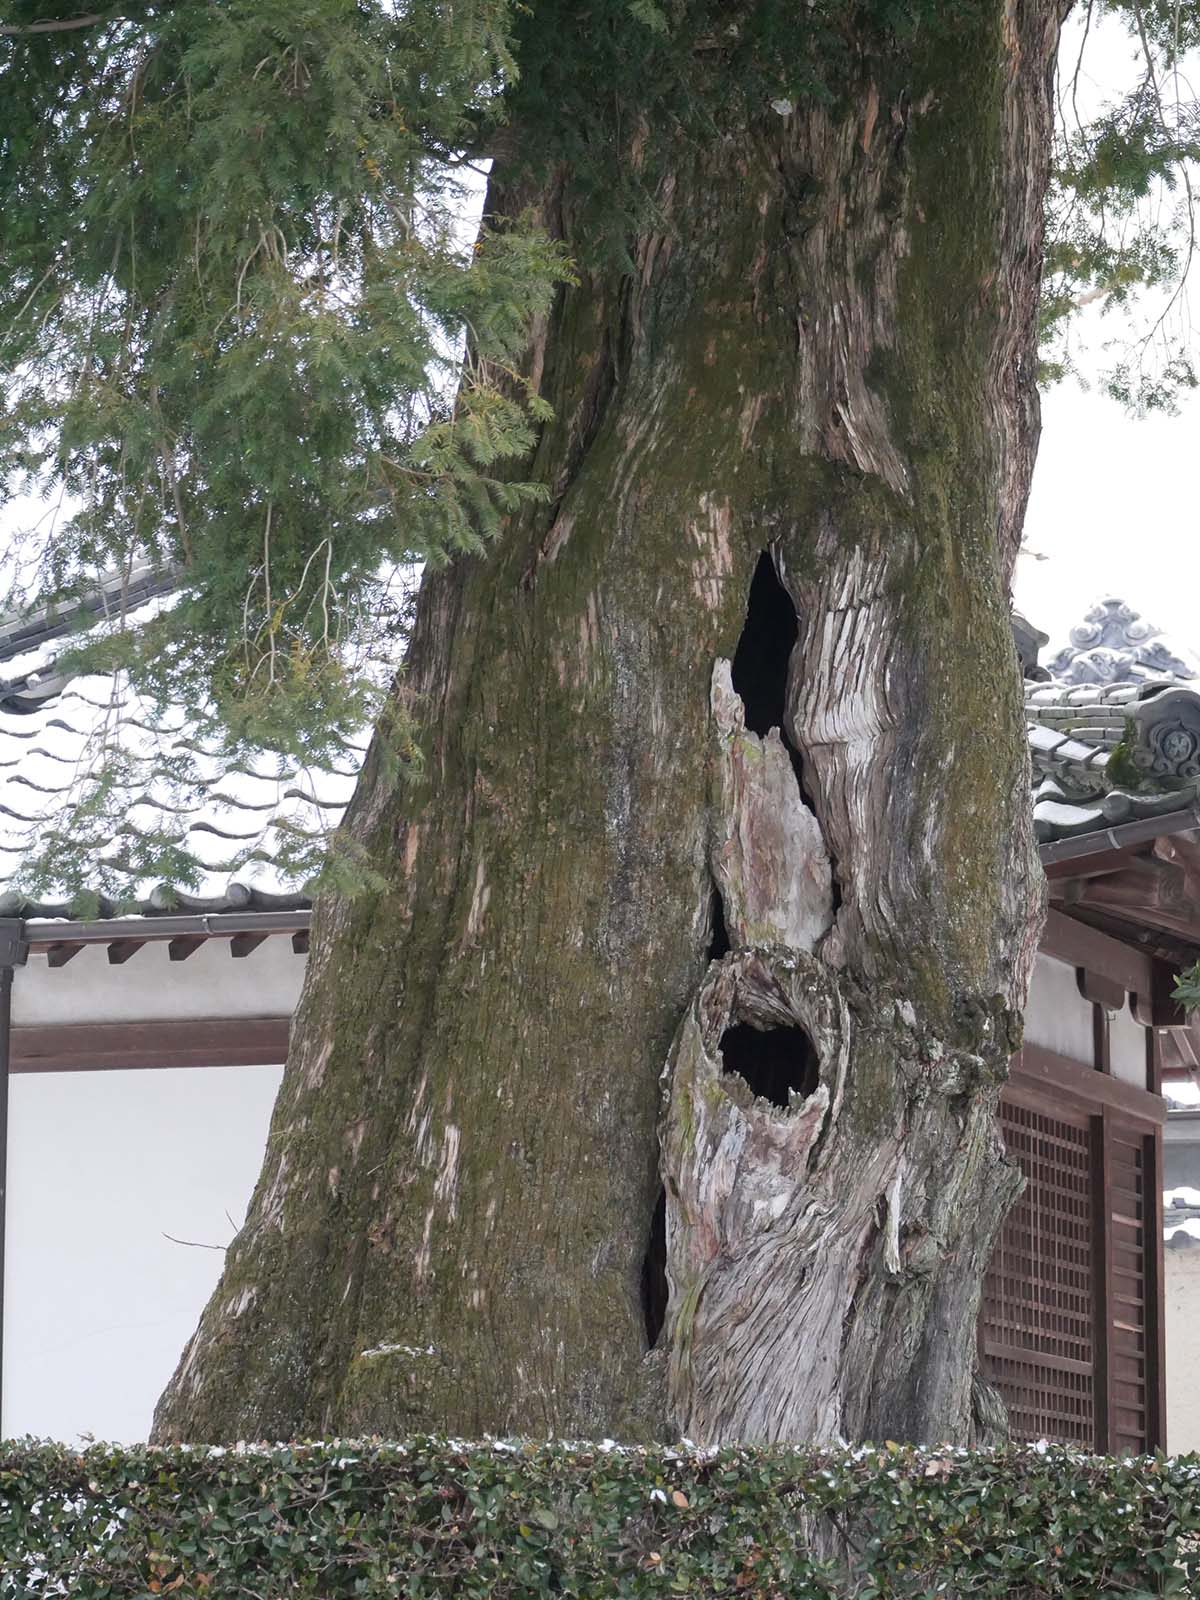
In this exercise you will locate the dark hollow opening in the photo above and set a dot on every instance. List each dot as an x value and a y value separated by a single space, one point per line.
654 1273
760 662
760 667
773 1061
719 943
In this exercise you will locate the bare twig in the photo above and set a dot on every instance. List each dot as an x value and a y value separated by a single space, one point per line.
1184 174
267 589
192 1244
61 25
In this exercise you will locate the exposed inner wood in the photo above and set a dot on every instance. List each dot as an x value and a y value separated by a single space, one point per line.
825 350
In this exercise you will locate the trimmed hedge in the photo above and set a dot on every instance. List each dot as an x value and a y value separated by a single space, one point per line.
433 1520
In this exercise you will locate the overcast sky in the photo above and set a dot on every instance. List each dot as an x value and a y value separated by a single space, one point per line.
1113 510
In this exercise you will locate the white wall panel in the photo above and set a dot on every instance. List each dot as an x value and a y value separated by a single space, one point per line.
1127 1048
103 1165
1057 1016
150 987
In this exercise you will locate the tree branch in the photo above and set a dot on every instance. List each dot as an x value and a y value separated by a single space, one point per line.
62 25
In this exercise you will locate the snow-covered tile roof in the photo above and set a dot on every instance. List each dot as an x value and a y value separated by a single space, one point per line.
237 825
243 824
1181 1217
1118 687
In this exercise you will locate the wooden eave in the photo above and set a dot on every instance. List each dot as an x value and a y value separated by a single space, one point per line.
99 1046
1140 885
188 929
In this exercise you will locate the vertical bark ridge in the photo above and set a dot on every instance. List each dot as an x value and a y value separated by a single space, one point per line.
814 354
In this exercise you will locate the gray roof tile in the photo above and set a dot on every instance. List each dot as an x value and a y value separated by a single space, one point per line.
49 734
1089 706
1073 750
238 825
1054 820
1044 740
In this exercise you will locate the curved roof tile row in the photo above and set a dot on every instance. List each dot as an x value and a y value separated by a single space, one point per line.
1113 720
1114 731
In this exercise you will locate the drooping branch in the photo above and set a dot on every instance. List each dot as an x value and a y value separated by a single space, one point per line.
58 24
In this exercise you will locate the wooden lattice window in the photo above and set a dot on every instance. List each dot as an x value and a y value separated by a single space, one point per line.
1039 1301
1069 1323
1125 1163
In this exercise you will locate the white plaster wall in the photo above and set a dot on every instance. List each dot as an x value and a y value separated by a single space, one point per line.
1183 1347
101 1166
1057 1016
1127 1047
150 987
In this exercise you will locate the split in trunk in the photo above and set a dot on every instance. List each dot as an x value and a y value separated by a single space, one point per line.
811 399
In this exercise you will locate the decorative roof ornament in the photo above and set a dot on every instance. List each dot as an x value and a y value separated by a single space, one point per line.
1114 734
1115 644
1030 641
1167 747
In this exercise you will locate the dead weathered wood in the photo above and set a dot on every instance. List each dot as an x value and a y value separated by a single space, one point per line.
826 350
769 859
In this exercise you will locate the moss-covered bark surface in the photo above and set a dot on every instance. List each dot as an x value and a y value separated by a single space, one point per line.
824 352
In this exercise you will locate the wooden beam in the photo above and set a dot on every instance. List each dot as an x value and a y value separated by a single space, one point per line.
1156 1343
40 935
1054 1076
1102 1037
1105 992
1082 946
243 943
1164 1011
1102 1280
1097 866
1124 836
1178 1051
1154 1040
1156 896
120 950
1152 942
108 1046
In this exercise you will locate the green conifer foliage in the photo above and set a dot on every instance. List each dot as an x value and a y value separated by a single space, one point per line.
1121 209
247 335
235 294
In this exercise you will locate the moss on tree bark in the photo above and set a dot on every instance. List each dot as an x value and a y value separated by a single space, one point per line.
825 352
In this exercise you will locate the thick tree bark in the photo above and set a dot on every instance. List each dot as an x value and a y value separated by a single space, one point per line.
827 354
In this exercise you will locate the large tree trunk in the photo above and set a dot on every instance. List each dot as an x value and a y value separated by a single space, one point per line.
500 1063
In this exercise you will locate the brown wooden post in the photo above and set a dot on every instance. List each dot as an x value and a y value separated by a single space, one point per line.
1101 1039
1107 995
1156 1280
13 951
1102 1278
